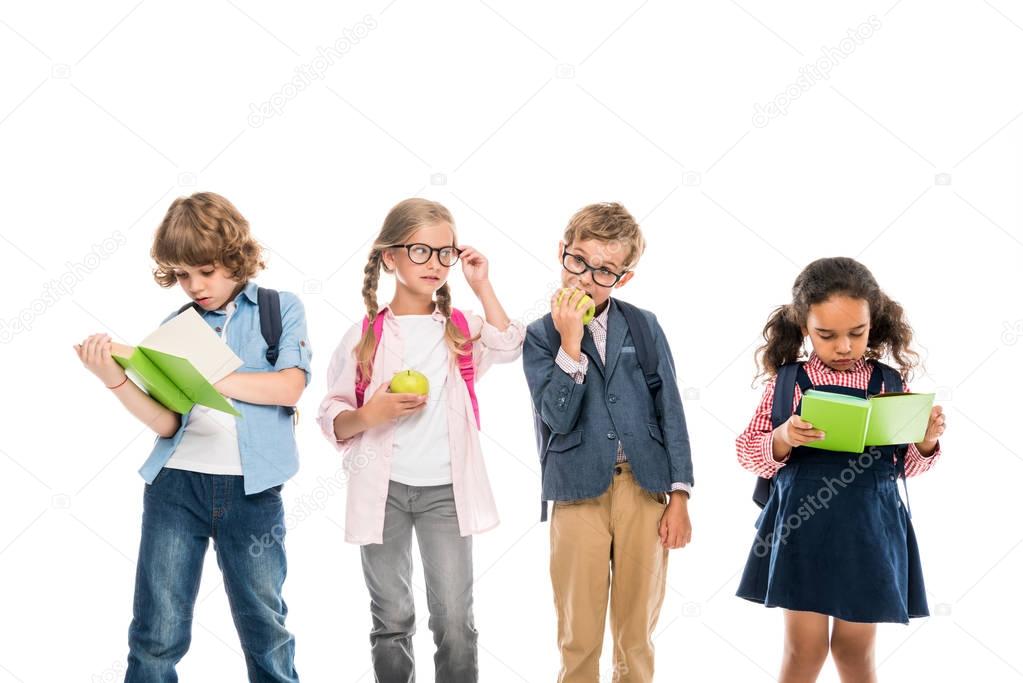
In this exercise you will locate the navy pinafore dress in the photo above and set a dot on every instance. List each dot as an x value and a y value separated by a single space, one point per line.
834 536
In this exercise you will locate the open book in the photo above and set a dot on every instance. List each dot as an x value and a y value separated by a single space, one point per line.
853 424
179 363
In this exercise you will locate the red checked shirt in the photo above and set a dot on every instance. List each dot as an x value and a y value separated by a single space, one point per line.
753 446
577 369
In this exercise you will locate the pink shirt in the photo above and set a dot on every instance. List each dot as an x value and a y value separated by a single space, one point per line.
366 457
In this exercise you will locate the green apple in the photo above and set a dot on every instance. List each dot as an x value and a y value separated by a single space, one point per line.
584 301
410 382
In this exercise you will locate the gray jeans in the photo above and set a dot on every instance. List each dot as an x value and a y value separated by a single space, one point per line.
447 565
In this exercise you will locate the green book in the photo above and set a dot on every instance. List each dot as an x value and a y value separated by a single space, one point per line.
852 424
179 363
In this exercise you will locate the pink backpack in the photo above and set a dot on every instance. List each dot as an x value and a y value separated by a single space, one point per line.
464 360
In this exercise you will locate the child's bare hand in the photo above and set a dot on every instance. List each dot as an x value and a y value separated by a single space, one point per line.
675 529
384 406
935 428
567 315
797 432
475 267
94 353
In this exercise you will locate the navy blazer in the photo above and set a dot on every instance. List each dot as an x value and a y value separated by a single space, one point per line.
613 403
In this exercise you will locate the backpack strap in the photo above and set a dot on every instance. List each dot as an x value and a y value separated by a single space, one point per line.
891 378
540 428
785 390
378 330
269 303
646 352
781 410
465 361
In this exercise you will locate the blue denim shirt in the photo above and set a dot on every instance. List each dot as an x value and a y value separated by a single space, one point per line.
266 434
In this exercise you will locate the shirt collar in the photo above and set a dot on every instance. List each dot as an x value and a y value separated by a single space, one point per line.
601 319
388 314
250 291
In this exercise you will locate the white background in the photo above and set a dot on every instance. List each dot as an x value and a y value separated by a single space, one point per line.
528 111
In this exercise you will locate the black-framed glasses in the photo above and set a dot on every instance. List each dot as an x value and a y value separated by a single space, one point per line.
422 253
577 265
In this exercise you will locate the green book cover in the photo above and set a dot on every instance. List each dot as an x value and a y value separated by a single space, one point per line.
843 419
172 380
852 424
898 418
179 363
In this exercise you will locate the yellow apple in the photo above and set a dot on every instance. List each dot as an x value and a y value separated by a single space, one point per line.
410 382
584 301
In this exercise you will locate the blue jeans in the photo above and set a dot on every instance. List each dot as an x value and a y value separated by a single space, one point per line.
182 511
447 566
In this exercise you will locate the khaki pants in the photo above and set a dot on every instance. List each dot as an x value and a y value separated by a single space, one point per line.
608 543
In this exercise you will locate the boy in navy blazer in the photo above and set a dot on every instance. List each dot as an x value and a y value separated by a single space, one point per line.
617 463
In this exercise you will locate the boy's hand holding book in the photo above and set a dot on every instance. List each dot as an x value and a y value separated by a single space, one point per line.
95 354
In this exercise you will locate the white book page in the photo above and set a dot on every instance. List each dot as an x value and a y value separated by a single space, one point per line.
187 335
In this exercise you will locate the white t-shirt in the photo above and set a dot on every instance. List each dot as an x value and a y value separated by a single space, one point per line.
420 454
210 442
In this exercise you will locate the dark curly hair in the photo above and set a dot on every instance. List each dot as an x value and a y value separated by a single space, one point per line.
890 334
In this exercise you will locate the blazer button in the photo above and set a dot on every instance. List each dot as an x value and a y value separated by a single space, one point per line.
219 329
612 398
612 436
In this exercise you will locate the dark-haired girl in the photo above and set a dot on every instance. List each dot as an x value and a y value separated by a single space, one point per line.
834 541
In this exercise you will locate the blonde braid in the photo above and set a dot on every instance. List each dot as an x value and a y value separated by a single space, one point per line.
367 345
455 339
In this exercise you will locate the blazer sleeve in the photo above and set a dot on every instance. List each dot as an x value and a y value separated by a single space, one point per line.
556 395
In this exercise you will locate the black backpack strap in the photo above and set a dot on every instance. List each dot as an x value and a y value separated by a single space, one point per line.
891 377
269 302
271 327
785 390
781 410
540 428
646 351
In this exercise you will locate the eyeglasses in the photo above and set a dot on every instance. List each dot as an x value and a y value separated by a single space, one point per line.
577 265
422 253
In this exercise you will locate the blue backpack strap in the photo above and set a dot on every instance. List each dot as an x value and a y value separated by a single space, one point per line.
891 377
271 326
646 353
781 410
269 302
785 390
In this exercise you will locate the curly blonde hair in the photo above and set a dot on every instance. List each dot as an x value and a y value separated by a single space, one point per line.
202 229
